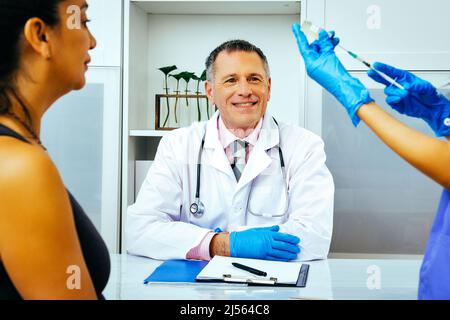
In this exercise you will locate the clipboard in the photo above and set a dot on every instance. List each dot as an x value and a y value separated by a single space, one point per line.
241 277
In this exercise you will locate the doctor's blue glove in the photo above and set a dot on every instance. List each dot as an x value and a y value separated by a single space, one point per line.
420 99
324 67
264 243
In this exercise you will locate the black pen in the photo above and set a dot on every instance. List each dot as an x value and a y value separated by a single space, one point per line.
249 269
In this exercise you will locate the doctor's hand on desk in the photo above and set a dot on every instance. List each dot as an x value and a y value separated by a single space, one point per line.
264 243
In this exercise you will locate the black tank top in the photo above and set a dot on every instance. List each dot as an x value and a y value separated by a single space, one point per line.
93 247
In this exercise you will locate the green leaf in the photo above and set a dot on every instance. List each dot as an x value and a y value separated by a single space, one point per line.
168 69
187 76
177 76
203 76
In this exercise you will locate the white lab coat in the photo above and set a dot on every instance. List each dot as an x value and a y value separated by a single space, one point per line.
160 226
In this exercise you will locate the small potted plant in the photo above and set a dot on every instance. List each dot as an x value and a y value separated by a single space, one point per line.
167 70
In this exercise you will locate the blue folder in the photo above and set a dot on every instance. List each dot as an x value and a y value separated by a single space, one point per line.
177 271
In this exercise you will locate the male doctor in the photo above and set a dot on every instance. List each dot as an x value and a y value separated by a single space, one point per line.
241 184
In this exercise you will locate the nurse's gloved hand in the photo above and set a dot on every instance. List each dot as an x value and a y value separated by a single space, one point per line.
264 243
420 99
324 67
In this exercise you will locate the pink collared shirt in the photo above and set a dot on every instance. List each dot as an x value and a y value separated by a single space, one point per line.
226 138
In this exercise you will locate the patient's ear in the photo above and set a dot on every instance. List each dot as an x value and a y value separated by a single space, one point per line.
37 36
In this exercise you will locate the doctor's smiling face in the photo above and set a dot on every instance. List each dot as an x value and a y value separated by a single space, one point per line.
239 85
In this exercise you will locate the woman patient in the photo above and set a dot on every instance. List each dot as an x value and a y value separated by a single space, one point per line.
49 249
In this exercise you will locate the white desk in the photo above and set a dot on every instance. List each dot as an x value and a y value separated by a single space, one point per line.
328 279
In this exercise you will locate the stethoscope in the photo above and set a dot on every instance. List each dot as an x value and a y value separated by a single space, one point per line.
197 208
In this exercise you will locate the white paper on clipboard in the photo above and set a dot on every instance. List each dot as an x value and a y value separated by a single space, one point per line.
284 272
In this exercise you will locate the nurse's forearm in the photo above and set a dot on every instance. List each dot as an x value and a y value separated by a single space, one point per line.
427 154
220 245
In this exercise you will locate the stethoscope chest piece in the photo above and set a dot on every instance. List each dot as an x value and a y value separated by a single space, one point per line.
197 208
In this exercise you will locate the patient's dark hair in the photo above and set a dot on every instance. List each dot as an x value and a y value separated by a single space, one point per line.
232 46
13 16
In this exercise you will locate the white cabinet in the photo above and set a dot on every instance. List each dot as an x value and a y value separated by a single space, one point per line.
382 204
82 134
106 26
83 130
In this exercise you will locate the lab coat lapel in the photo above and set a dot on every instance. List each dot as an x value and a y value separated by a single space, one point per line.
217 158
259 159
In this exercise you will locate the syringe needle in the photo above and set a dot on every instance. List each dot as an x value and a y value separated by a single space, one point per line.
368 65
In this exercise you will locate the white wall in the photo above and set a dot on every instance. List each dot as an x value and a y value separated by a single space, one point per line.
411 34
106 26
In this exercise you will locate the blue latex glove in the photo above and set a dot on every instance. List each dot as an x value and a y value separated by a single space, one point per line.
264 243
420 99
324 67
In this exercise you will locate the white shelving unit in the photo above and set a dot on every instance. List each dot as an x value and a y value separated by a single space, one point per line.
183 33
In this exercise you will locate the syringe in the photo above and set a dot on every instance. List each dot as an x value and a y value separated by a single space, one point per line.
313 32
368 65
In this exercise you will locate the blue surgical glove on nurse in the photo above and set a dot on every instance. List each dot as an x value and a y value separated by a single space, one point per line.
419 99
264 243
324 67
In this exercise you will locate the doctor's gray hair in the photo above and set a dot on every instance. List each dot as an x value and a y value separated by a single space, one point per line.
233 46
